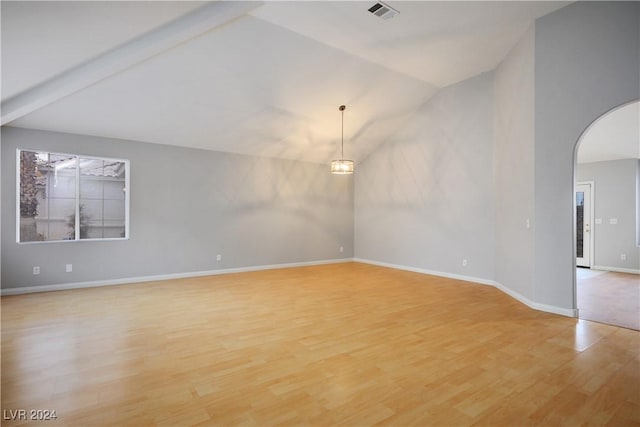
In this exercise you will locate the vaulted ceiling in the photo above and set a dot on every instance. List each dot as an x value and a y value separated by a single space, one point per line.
260 78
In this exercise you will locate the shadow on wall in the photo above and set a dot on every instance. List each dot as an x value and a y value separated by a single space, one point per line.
299 193
277 211
425 198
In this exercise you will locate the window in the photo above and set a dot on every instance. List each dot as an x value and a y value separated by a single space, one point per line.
56 189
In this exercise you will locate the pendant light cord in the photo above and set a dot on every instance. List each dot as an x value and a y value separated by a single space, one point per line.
342 108
342 166
342 144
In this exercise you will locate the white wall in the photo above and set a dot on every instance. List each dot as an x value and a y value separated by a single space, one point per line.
586 63
514 151
614 197
187 206
425 198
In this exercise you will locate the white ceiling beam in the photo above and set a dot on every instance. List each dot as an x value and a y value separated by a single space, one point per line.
122 57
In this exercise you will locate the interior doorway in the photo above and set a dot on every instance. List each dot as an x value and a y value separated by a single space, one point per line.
607 218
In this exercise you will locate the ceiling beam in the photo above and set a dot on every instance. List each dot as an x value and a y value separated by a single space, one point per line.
122 57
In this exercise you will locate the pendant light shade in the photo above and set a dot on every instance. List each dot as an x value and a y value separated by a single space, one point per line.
342 166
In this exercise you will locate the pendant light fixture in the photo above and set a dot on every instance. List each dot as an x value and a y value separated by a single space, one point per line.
342 166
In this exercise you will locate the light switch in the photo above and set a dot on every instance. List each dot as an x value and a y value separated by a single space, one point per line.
598 221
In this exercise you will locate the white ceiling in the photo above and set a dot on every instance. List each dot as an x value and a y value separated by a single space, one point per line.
439 42
614 136
41 39
266 83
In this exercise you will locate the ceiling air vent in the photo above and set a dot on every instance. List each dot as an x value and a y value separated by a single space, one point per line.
383 11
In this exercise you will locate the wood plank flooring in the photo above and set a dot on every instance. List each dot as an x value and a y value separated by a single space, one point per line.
342 344
609 297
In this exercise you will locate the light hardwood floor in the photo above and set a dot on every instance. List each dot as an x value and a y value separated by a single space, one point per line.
343 344
609 297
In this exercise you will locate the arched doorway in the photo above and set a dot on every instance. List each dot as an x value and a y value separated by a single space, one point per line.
607 218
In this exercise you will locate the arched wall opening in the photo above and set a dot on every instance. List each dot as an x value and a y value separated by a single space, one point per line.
609 142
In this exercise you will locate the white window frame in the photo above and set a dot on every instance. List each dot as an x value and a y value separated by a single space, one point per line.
77 201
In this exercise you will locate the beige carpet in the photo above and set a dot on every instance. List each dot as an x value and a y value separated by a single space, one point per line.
609 297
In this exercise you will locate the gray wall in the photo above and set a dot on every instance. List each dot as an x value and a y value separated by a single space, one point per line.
587 57
425 198
514 151
614 197
575 65
187 206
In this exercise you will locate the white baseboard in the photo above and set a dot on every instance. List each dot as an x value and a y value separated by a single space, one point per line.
424 271
526 301
569 312
129 280
616 269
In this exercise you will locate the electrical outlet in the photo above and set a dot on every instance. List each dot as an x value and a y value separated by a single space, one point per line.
68 268
464 262
623 257
219 257
341 249
528 223
36 270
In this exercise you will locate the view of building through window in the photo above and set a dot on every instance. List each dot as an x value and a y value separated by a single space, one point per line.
56 189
